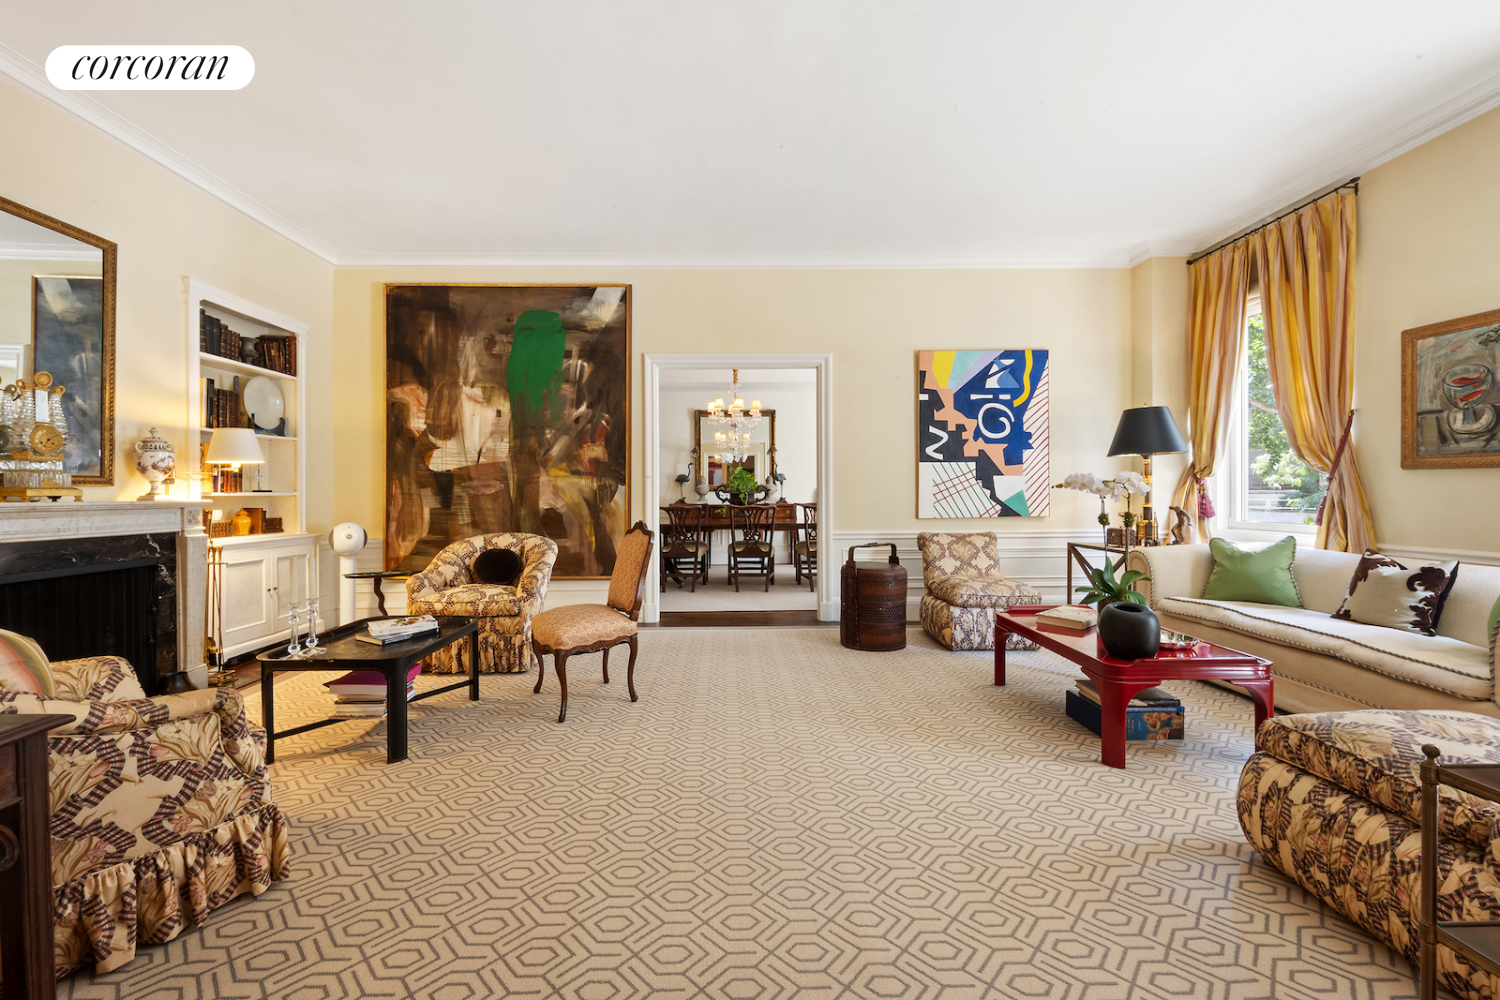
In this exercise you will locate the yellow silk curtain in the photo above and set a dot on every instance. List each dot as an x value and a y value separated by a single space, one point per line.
1216 344
1306 267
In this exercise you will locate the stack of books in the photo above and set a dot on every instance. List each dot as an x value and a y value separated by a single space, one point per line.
1153 714
389 630
1069 618
361 694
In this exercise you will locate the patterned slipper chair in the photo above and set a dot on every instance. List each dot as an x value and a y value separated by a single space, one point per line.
161 810
965 589
1334 800
447 587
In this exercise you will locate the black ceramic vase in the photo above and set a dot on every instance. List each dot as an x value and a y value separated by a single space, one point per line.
1129 631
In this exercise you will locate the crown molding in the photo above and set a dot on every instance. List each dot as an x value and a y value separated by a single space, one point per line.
836 261
1356 159
1142 252
77 105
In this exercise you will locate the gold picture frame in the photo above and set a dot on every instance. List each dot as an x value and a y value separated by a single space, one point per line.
91 408
1450 393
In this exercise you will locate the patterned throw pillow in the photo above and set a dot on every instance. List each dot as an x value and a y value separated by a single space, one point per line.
1384 592
24 667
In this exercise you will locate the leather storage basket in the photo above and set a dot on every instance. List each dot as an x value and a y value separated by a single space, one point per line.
872 611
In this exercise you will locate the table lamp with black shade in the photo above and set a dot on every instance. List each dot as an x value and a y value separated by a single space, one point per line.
1147 431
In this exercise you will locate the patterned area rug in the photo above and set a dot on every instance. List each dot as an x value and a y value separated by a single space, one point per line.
776 817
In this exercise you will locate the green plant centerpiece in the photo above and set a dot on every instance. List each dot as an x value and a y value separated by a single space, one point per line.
1106 588
741 486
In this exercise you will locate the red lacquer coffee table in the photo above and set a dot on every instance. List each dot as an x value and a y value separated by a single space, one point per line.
1117 681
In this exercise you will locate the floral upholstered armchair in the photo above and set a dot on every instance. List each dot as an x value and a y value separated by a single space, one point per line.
965 588
161 810
447 587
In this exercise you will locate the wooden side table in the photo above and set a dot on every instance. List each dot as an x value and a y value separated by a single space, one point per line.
1476 940
25 858
375 576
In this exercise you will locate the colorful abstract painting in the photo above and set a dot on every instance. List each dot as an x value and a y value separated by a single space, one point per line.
982 447
507 409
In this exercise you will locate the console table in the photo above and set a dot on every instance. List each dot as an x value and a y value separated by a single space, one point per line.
26 858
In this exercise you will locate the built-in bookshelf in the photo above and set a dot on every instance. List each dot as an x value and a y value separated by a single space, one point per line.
261 572
266 346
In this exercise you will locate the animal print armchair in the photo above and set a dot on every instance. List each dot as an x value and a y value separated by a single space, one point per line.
161 809
448 587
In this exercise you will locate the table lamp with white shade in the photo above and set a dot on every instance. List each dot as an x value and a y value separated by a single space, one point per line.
234 447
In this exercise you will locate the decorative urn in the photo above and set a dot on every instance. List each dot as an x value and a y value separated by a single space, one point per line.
154 459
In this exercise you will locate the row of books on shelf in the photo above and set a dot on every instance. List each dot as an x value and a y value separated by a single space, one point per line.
361 693
220 407
273 352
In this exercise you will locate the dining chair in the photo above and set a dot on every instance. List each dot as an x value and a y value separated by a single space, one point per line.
684 539
805 552
753 554
587 628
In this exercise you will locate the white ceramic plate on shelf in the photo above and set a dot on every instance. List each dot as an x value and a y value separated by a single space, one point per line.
264 402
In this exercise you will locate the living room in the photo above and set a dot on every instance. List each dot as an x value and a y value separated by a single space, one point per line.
778 813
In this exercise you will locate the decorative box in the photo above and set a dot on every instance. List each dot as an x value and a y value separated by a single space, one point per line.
1142 722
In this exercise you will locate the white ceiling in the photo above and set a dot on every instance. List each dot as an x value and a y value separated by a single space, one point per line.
781 132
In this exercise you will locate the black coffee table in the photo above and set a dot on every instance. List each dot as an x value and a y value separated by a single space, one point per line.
345 652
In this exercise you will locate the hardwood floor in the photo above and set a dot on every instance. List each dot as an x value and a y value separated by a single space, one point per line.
738 619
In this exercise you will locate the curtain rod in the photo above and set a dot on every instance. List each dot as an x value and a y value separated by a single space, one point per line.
1351 182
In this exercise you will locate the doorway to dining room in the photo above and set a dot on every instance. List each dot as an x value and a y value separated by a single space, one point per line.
741 504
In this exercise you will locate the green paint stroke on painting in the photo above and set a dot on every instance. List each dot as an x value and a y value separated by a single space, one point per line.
536 359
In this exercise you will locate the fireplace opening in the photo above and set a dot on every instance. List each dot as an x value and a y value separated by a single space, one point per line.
96 597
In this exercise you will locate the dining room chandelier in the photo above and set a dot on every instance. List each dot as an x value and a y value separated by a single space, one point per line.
733 443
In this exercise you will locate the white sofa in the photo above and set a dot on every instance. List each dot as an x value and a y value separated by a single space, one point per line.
1323 664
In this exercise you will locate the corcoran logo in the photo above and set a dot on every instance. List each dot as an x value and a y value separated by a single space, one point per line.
150 67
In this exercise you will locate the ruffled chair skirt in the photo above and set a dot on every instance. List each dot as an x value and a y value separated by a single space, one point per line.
504 648
101 917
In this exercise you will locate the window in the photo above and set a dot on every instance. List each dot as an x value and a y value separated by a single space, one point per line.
1266 484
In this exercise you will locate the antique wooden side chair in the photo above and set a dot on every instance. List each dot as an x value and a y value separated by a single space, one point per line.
684 540
754 553
587 628
805 552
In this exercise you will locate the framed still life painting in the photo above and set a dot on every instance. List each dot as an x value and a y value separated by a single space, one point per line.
982 433
507 410
1450 402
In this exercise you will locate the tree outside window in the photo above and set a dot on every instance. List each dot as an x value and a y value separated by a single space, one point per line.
1281 487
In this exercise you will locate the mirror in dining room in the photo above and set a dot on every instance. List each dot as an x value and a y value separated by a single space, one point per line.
758 456
57 315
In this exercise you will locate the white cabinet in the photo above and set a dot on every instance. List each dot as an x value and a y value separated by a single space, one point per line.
260 577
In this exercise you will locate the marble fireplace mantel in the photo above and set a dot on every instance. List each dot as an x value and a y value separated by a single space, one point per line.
47 520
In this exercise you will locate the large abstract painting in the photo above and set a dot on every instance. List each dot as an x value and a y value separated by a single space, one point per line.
982 444
68 341
507 409
1450 398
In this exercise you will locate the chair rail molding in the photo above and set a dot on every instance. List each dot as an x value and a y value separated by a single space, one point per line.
653 365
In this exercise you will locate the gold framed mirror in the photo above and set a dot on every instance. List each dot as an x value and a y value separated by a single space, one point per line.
57 314
762 460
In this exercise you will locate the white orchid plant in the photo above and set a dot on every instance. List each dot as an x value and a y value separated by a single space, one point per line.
1123 486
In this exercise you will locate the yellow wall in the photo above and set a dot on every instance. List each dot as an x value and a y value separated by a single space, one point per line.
167 230
873 322
1158 338
1427 252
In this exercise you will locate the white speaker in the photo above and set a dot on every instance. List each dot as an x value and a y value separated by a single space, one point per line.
346 540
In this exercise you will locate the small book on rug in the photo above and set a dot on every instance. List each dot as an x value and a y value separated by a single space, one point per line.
365 710
1151 697
1072 617
369 682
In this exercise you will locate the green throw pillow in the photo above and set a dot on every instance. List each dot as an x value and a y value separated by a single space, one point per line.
1490 632
1261 577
